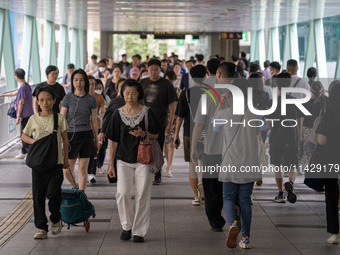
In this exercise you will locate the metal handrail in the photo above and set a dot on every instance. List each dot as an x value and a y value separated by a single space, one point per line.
32 86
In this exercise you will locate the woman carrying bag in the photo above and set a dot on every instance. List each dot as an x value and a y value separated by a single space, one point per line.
328 135
125 130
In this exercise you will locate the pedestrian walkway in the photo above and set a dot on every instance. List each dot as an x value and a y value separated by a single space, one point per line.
176 226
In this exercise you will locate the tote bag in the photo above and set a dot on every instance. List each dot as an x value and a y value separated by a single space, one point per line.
42 155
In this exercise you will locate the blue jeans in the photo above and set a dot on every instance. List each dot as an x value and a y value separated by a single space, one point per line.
230 192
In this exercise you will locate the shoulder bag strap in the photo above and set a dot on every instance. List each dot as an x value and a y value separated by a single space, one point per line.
296 83
238 128
55 122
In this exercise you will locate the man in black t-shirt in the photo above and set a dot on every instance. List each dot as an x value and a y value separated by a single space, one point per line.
284 142
161 97
124 62
186 110
52 73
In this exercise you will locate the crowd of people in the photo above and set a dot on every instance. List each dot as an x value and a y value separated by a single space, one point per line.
117 105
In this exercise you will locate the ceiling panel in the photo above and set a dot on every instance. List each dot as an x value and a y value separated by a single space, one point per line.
175 15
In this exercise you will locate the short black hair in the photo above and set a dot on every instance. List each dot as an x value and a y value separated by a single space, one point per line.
266 63
283 80
292 65
94 56
133 83
243 54
312 72
292 62
102 61
45 88
117 66
154 61
234 58
176 64
254 67
99 81
227 69
86 80
123 55
91 77
171 75
275 65
199 57
317 88
137 56
51 69
198 72
164 61
70 66
212 65
20 73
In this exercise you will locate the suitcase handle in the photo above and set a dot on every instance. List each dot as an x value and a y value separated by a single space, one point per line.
77 187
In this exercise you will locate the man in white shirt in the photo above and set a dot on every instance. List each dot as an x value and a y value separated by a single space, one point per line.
92 67
292 69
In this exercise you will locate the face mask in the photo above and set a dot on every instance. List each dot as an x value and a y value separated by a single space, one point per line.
145 76
101 69
98 91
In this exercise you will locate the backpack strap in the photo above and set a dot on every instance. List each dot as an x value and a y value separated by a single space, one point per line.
55 122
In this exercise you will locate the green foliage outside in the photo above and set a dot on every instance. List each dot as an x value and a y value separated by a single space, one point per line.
132 44
96 46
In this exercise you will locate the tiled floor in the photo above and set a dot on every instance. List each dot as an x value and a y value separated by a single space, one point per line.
176 226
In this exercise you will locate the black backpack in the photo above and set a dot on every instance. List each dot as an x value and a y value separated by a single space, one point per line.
42 155
284 138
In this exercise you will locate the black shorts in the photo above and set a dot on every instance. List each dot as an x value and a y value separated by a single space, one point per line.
283 157
80 144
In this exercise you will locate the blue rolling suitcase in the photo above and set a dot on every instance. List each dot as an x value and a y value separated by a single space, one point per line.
75 208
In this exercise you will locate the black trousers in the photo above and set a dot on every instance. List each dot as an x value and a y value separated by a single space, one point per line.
213 193
102 154
92 167
332 200
23 124
160 139
47 185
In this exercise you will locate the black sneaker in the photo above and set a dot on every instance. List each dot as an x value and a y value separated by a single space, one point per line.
280 198
157 181
126 235
291 197
138 239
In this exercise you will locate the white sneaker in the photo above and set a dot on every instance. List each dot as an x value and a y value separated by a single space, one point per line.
41 234
92 178
20 156
196 202
333 239
56 228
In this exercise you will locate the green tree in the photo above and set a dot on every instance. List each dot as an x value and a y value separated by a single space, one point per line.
96 46
135 45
